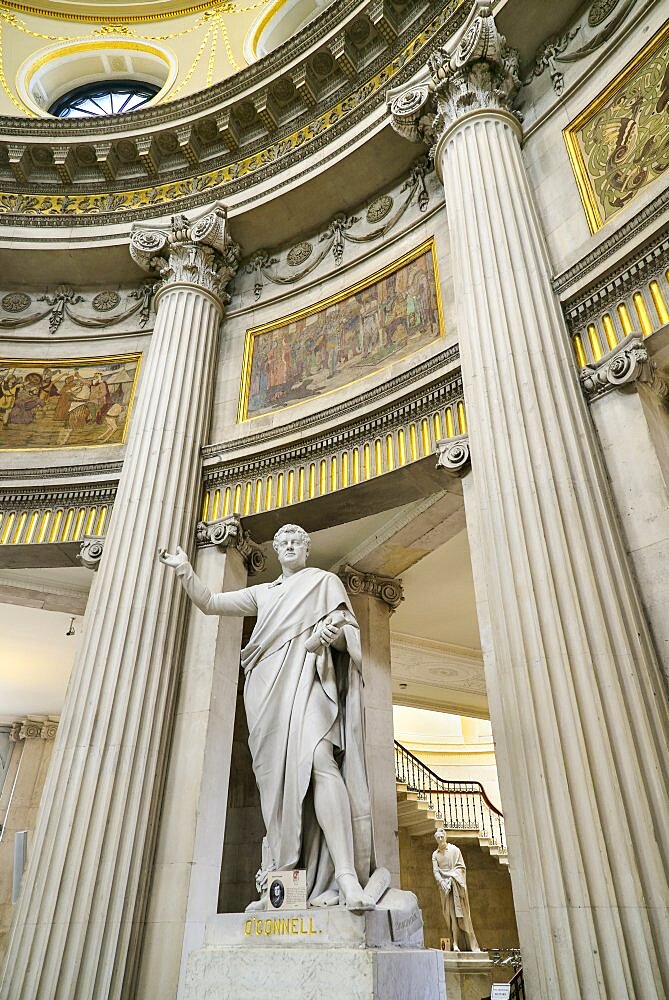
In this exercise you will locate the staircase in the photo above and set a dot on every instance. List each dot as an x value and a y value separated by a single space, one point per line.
425 801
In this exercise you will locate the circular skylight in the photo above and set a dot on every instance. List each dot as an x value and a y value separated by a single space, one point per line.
93 100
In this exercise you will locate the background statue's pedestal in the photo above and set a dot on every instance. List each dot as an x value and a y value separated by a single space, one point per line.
315 954
470 974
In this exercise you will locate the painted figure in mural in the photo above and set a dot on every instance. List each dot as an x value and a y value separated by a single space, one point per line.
303 700
449 870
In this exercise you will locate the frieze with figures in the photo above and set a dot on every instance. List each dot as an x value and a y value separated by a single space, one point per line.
66 404
618 144
340 340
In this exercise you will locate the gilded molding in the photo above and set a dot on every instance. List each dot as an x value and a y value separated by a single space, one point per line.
227 533
453 455
210 131
384 588
625 365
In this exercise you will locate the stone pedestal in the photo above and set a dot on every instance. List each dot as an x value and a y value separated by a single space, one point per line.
328 954
469 974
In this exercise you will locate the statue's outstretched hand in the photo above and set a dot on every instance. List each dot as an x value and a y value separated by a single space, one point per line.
179 558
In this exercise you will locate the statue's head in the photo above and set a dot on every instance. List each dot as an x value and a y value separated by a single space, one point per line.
291 544
440 836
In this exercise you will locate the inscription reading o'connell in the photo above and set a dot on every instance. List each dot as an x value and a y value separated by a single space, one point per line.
279 927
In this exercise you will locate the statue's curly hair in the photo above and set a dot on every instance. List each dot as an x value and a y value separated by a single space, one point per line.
297 530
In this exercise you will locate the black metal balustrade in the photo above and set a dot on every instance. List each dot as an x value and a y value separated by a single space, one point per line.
459 805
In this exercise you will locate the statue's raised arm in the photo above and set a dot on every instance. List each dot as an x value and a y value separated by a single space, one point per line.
303 700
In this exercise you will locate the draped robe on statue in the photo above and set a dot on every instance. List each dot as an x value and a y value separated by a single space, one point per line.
293 700
450 872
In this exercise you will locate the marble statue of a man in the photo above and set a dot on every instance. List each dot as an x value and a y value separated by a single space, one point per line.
302 694
449 871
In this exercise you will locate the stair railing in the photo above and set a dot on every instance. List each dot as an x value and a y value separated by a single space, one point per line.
460 805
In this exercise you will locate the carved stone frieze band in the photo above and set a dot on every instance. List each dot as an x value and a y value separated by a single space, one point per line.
453 455
479 74
227 533
59 303
190 252
384 588
91 551
626 364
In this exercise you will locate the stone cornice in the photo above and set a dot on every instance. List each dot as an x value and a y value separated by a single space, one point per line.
384 588
220 147
374 400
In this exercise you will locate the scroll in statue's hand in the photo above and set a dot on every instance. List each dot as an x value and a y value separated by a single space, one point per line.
179 558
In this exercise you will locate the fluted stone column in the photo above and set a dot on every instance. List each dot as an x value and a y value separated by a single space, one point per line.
374 598
187 870
574 687
615 388
79 920
32 745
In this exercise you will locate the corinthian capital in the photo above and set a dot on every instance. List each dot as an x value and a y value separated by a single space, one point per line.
478 71
190 252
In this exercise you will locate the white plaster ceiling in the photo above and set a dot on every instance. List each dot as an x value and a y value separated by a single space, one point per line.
36 655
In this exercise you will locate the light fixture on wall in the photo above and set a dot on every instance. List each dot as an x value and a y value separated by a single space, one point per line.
71 630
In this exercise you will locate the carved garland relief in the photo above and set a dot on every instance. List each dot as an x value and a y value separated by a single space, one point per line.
620 143
355 333
66 404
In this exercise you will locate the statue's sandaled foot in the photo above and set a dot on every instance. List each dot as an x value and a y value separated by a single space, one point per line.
328 898
353 895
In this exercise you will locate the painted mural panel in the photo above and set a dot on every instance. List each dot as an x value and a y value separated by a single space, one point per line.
620 143
345 338
66 404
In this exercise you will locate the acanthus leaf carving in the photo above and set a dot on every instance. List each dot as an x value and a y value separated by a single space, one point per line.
197 252
480 73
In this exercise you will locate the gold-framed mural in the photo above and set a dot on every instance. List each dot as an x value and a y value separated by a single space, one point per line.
344 338
620 143
73 403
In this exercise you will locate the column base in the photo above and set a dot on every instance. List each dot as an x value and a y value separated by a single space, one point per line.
328 954
471 974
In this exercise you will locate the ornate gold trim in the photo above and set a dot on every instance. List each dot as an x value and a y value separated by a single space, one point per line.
103 18
97 203
113 359
253 332
585 188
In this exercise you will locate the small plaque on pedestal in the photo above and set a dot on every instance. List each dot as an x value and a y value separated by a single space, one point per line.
288 890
